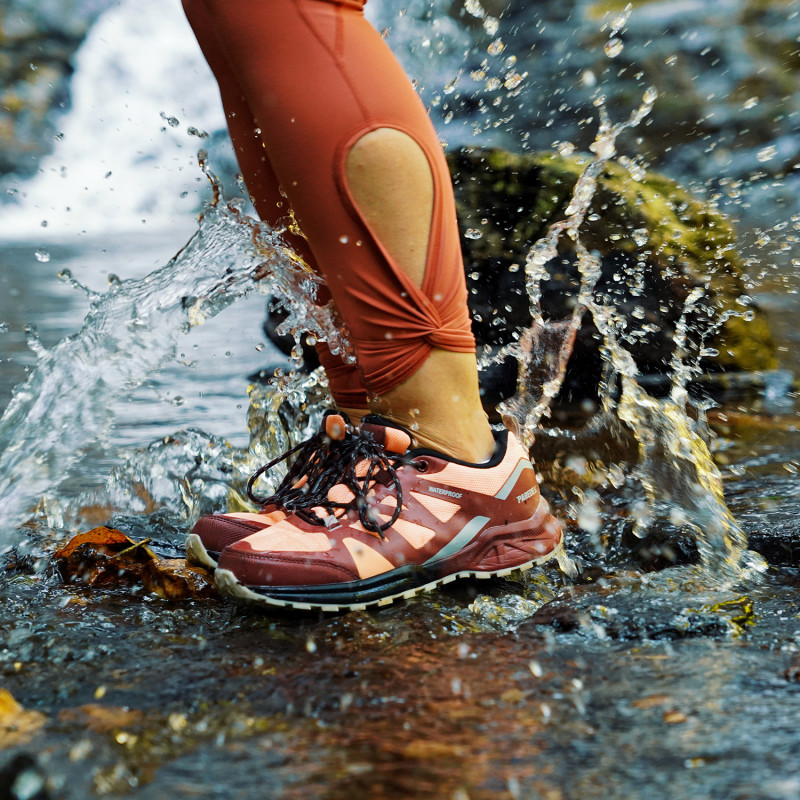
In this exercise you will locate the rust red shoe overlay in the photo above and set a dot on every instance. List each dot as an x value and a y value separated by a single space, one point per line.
418 519
214 532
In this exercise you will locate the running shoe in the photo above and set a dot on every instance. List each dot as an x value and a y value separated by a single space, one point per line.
396 522
315 462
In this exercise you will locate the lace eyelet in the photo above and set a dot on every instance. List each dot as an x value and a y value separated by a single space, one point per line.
420 466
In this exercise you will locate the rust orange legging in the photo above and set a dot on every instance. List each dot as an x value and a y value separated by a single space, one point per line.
301 82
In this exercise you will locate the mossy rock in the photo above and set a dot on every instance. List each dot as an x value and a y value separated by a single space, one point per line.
656 243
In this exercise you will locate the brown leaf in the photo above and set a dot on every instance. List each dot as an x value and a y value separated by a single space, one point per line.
99 718
174 579
103 556
107 557
17 726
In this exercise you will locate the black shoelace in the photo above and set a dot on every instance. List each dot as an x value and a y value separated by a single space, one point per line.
322 463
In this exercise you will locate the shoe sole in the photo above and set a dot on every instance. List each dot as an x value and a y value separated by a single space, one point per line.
196 553
379 591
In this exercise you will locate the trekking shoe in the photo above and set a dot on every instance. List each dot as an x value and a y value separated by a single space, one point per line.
315 457
395 522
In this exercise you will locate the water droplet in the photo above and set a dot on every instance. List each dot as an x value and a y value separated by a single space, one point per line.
670 60
475 8
751 102
650 95
513 79
614 47
767 153
490 25
496 47
42 255
173 122
344 239
640 236
473 233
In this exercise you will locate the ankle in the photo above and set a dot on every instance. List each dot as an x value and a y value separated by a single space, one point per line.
464 438
355 415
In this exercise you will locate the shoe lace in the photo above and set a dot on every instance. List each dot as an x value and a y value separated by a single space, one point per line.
322 463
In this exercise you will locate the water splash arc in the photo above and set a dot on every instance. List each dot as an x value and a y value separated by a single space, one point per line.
131 331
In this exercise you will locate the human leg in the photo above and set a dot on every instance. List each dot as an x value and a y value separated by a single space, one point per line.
326 94
371 515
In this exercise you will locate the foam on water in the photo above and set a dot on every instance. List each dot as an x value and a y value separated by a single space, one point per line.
122 159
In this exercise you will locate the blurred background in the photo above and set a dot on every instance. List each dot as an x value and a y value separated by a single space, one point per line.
102 103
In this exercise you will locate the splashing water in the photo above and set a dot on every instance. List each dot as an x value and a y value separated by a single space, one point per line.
675 468
544 348
131 331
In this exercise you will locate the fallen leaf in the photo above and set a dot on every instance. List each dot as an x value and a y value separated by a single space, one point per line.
102 556
17 726
106 557
100 718
174 579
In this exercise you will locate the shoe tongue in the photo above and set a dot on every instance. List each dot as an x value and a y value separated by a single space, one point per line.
392 436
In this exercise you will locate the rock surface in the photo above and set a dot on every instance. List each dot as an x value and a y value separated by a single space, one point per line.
656 242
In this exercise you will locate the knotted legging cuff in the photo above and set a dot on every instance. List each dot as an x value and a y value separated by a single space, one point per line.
311 77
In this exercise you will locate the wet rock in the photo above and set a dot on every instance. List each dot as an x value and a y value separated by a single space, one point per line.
656 242
613 610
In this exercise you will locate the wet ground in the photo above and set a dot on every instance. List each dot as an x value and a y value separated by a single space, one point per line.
611 689
619 684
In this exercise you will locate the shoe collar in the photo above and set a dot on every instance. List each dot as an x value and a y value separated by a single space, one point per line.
397 439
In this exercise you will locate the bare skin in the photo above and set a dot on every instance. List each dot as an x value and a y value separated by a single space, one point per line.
389 177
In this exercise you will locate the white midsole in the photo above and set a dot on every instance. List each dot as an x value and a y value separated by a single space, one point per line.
197 553
228 584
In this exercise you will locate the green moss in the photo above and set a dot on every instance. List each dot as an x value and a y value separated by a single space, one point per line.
512 199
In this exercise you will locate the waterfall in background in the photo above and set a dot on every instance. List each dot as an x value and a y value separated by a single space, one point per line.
125 159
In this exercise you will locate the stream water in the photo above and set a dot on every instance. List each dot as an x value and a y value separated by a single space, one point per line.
127 403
